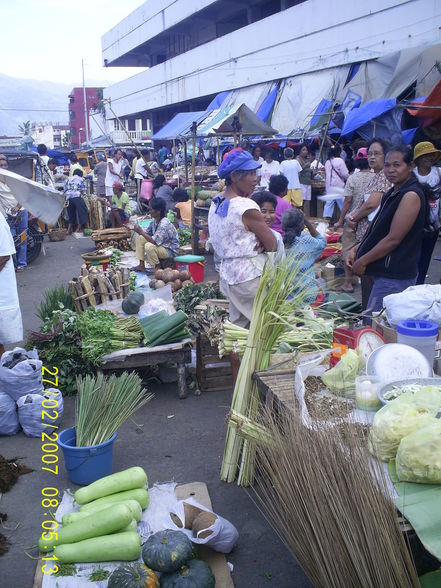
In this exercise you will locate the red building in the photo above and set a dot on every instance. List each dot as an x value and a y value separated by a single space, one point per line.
76 112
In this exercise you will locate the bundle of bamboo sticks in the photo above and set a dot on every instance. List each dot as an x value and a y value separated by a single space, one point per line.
95 286
97 217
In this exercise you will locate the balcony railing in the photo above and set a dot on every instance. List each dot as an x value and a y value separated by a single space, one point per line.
136 136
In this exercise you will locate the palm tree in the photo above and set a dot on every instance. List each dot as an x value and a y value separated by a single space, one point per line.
25 127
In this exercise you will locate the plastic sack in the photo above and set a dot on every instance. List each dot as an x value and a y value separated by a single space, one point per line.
23 376
341 378
419 456
30 408
401 417
223 536
9 424
154 305
415 303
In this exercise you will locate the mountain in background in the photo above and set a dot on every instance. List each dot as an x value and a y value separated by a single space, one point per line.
34 99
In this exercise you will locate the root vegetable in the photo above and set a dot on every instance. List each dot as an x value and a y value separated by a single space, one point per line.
152 283
167 276
187 283
159 274
175 275
184 275
177 284
159 284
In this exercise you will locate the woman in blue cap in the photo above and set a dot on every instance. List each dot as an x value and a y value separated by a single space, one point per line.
238 233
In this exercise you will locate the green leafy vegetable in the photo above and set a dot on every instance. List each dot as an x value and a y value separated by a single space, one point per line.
419 455
189 297
184 236
54 299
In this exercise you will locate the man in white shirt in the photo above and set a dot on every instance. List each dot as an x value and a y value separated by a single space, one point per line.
270 167
291 168
142 168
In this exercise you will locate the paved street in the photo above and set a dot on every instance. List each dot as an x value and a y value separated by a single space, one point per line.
186 447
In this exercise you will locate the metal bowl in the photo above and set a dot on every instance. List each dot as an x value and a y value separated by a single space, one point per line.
436 381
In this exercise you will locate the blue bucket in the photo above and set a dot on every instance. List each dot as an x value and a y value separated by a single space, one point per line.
84 465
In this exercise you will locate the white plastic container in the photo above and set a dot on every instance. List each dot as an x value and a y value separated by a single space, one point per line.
421 335
366 393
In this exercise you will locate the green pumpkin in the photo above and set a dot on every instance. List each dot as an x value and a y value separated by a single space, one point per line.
133 575
167 551
130 306
195 574
137 297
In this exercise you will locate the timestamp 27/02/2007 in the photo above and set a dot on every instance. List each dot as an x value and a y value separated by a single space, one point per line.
49 459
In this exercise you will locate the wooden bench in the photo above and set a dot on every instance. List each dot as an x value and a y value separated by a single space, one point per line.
139 357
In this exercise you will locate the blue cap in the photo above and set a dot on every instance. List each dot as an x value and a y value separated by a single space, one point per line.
417 328
237 160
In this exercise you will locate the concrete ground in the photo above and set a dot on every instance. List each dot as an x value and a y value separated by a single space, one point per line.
180 440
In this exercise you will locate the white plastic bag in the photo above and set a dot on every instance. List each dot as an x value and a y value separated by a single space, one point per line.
224 535
9 424
153 306
415 303
30 412
24 377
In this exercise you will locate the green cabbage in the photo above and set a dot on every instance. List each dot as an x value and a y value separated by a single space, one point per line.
341 378
401 417
419 455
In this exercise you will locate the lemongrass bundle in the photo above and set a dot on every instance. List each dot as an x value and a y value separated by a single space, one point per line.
282 291
330 506
103 404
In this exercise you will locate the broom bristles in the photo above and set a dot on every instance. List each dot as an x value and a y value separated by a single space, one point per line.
331 507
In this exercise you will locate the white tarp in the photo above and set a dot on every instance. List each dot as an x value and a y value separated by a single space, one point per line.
253 96
220 121
43 202
300 95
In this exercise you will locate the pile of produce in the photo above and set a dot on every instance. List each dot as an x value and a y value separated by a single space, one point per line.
104 528
401 417
56 298
115 257
59 343
172 554
162 329
193 295
205 198
104 404
121 244
102 332
184 236
177 279
303 332
419 455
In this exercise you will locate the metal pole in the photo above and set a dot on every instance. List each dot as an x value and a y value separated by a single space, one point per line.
125 130
193 188
86 110
186 161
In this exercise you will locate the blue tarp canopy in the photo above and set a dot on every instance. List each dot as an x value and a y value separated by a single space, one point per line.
179 126
358 117
60 156
268 105
218 100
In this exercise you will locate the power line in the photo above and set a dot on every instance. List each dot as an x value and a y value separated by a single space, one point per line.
34 109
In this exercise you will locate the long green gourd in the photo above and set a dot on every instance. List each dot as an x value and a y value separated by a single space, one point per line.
139 494
126 480
104 522
117 547
133 505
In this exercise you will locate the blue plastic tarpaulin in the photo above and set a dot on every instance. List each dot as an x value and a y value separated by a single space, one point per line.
219 100
179 126
324 107
268 104
408 135
359 117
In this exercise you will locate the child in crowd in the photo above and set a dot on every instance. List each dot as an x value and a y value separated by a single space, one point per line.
182 208
268 203
279 187
120 206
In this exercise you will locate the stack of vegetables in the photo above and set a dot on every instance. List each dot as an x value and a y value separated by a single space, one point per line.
102 332
177 279
184 236
205 198
192 296
162 329
104 528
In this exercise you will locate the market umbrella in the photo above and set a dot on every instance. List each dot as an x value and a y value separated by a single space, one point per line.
43 202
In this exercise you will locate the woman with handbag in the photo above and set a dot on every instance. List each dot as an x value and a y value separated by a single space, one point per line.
429 176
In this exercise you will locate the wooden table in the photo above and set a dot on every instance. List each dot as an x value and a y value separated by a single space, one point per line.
179 353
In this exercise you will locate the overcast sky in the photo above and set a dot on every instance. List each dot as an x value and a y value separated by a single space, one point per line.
46 39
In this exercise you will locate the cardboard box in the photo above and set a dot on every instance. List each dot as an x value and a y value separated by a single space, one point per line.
388 333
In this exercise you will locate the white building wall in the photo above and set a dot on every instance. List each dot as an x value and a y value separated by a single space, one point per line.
147 21
311 36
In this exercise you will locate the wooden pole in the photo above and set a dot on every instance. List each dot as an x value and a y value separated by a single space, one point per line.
375 129
218 161
186 161
174 159
193 188
325 134
125 130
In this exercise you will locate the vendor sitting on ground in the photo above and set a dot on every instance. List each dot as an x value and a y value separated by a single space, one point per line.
120 210
303 248
268 204
159 241
162 190
182 208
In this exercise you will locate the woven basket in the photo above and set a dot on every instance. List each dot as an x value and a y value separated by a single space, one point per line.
57 234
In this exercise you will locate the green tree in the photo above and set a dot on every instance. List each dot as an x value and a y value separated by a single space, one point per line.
66 139
25 127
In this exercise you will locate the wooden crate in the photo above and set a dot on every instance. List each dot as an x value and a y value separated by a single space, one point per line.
213 373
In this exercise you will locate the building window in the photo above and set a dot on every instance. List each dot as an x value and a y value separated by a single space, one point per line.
72 114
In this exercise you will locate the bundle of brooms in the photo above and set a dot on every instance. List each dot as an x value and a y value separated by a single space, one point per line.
330 506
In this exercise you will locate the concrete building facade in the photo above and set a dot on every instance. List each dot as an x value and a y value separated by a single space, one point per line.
194 49
76 112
